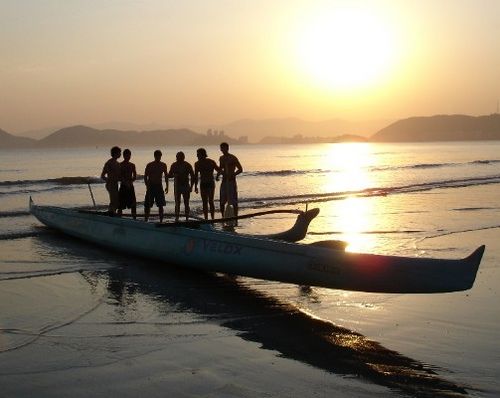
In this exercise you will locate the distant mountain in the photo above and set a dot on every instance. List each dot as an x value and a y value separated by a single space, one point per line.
39 133
441 128
8 141
299 139
256 130
83 136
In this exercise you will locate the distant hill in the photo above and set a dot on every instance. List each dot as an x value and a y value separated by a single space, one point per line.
257 130
441 128
8 141
299 139
83 136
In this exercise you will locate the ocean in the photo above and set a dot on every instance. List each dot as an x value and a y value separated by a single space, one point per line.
82 320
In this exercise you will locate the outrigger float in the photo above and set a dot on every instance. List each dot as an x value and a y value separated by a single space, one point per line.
198 245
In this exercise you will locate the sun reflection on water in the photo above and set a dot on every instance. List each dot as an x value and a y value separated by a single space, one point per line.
349 163
354 216
354 219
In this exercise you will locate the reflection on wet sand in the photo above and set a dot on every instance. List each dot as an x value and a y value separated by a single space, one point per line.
275 325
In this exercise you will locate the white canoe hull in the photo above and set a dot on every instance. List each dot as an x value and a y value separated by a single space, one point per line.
219 251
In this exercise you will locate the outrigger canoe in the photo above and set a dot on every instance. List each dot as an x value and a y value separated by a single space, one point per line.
204 248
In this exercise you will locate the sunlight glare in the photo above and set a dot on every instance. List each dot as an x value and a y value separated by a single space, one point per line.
345 48
355 219
349 163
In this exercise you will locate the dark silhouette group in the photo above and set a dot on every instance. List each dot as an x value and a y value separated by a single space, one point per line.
120 176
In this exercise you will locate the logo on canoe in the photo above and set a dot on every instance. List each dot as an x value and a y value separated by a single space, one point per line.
323 267
222 247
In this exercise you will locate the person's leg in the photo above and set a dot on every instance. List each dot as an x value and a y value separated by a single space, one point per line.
223 197
177 205
160 211
232 196
146 206
204 201
114 200
186 204
210 198
122 200
132 202
205 207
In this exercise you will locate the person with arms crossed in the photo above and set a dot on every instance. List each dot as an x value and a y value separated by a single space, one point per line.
205 168
229 168
111 175
183 175
154 188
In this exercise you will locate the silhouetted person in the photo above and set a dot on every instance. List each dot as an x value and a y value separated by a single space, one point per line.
127 191
154 187
111 174
230 167
183 175
205 167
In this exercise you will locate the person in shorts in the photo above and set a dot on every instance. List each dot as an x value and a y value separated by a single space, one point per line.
205 168
183 175
127 192
153 174
229 168
111 175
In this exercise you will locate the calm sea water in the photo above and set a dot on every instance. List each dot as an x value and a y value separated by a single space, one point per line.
437 200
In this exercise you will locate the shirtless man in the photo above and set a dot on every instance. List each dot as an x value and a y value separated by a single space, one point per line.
229 168
127 191
183 175
111 175
154 188
205 167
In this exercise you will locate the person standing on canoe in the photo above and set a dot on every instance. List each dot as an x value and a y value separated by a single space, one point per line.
229 168
154 188
205 167
111 175
127 191
183 175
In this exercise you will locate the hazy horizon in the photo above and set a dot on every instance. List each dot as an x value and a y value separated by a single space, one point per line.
212 63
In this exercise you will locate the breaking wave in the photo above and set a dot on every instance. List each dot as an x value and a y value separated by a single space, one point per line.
19 235
56 181
10 214
412 188
434 165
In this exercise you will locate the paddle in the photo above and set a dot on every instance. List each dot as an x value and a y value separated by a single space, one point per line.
224 220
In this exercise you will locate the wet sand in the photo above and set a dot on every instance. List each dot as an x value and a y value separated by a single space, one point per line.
100 324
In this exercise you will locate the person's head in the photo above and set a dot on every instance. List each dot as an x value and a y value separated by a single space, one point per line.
116 152
201 153
224 147
127 154
157 154
180 156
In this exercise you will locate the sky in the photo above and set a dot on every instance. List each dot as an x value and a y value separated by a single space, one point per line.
201 62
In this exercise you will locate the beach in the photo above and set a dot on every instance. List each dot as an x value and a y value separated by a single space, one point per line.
80 320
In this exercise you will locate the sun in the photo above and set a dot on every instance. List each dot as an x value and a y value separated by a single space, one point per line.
345 48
